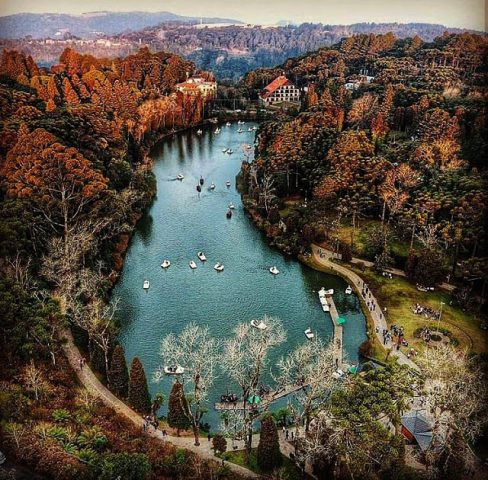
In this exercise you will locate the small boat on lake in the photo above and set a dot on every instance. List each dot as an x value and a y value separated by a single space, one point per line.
254 127
241 122
202 181
219 267
249 129
229 151
348 290
180 177
239 130
217 131
326 307
229 213
174 370
228 124
309 334
323 292
212 186
274 270
166 264
225 150
227 183
145 286
259 324
192 264
201 256
199 188
232 206
199 132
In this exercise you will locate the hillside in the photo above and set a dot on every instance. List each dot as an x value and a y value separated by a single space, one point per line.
88 25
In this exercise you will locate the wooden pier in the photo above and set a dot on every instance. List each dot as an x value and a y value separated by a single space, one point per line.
338 333
270 397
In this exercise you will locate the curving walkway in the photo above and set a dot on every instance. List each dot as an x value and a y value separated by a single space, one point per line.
97 389
324 257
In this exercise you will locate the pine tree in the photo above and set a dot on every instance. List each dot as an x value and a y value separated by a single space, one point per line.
138 391
119 376
269 455
176 409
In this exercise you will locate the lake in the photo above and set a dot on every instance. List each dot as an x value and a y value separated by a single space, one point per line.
181 223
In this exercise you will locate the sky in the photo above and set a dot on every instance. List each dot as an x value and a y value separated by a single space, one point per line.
451 13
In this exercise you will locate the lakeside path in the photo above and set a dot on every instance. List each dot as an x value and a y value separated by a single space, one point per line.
324 257
98 390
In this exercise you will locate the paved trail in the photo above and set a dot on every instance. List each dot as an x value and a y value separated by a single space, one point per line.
324 257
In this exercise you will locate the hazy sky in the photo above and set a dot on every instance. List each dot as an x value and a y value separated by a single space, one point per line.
452 13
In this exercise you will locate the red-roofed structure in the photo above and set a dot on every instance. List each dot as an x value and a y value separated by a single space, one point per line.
280 90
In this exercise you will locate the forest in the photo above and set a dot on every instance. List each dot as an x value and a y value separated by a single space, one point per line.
405 153
75 178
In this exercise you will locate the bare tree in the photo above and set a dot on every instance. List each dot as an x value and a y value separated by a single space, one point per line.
245 360
267 191
198 352
456 395
34 381
310 366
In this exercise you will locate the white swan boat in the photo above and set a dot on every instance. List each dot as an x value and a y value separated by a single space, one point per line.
241 122
192 264
326 307
219 267
309 334
323 292
249 129
166 264
229 151
254 127
228 124
201 256
145 286
224 150
212 186
260 325
348 290
227 183
274 270
232 206
239 130
180 177
217 131
199 132
174 370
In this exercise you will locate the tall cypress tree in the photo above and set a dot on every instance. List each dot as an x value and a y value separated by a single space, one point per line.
138 391
176 408
269 455
119 376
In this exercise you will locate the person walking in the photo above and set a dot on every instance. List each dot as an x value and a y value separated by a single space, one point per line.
287 434
209 437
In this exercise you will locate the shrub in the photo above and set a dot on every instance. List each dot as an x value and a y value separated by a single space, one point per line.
61 415
127 466
219 444
268 454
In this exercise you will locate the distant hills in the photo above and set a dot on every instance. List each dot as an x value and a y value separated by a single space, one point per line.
91 24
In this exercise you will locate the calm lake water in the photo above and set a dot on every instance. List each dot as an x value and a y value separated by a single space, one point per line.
179 224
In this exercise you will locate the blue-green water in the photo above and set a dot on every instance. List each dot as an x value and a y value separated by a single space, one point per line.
179 224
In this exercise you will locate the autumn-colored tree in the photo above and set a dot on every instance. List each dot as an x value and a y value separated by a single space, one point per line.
219 444
69 93
138 396
61 182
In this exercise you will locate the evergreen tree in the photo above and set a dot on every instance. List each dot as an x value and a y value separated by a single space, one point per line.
269 455
119 376
219 444
138 392
177 406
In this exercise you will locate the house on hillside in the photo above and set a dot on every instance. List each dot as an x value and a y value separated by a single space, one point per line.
417 429
280 90
198 85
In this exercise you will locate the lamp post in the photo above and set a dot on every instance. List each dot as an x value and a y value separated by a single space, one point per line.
440 315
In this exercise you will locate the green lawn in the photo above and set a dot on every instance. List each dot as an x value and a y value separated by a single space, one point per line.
399 295
290 471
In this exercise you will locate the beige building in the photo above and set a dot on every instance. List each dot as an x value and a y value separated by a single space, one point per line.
280 90
197 85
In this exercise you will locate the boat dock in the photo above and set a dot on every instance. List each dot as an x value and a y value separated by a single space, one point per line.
270 397
338 333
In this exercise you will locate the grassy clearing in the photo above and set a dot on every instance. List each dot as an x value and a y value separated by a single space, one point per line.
289 469
398 295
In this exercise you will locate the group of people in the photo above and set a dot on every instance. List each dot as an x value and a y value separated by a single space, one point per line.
396 335
151 421
228 398
427 312
426 334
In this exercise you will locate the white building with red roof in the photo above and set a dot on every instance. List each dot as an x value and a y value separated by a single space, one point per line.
280 90
197 86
